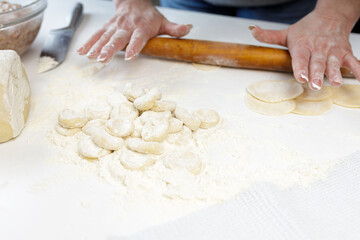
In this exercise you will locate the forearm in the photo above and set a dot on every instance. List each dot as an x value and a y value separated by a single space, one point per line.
117 3
347 11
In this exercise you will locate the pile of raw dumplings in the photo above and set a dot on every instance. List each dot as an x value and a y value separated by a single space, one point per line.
280 97
133 123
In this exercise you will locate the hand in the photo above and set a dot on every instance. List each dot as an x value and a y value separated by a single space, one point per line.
134 23
318 44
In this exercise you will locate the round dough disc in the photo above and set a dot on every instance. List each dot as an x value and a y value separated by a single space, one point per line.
347 96
311 95
271 109
304 107
275 90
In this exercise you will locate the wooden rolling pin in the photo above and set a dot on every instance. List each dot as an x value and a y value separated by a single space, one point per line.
222 54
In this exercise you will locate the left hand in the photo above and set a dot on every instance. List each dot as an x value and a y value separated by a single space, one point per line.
318 44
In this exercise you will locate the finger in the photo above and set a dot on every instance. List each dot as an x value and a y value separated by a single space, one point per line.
300 63
333 71
117 42
136 44
278 37
317 69
174 30
96 48
353 64
94 38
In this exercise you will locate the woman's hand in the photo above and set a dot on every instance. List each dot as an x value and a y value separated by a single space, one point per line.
134 23
318 44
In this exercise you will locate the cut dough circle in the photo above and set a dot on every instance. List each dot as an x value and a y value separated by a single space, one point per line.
347 96
304 107
310 95
271 109
275 90
183 159
209 118
88 149
105 140
71 119
141 146
68 132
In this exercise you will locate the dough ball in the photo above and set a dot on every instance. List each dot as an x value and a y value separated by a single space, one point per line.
99 110
93 126
68 132
88 149
105 140
164 105
135 161
271 109
14 95
310 95
304 107
71 119
141 146
275 90
347 96
183 160
188 119
209 118
120 127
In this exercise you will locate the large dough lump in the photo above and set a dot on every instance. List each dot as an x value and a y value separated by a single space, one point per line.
14 95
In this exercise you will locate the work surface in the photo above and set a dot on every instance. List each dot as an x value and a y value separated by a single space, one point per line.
42 197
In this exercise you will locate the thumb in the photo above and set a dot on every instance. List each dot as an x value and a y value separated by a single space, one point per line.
278 37
173 29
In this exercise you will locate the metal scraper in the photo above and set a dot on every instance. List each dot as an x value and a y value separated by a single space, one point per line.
57 42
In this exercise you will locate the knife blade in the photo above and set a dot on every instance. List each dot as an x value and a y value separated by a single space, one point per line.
57 43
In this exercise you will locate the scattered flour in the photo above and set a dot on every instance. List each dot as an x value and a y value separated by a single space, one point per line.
46 63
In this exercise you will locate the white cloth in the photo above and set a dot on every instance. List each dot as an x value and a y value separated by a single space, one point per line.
330 209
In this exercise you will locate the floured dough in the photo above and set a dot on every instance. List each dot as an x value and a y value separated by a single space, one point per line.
183 159
209 118
347 96
14 95
275 90
120 127
163 105
98 110
71 119
125 110
310 95
132 92
175 125
304 107
188 119
141 146
105 140
67 131
88 149
271 109
147 101
116 98
137 128
155 126
93 126
180 138
135 161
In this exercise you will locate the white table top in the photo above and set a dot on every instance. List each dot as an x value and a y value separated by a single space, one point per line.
58 209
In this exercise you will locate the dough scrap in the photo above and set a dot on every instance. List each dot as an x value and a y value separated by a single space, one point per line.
125 110
310 95
163 106
271 109
71 119
275 90
155 126
209 118
175 125
304 107
88 149
93 125
147 101
137 128
132 92
116 98
68 132
188 119
135 161
99 110
141 146
107 141
347 96
120 127
183 159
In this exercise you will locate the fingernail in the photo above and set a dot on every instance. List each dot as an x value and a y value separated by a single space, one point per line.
251 27
337 80
102 56
190 26
316 83
80 50
91 53
129 55
304 77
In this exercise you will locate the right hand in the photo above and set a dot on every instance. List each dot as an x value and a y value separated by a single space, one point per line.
134 23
